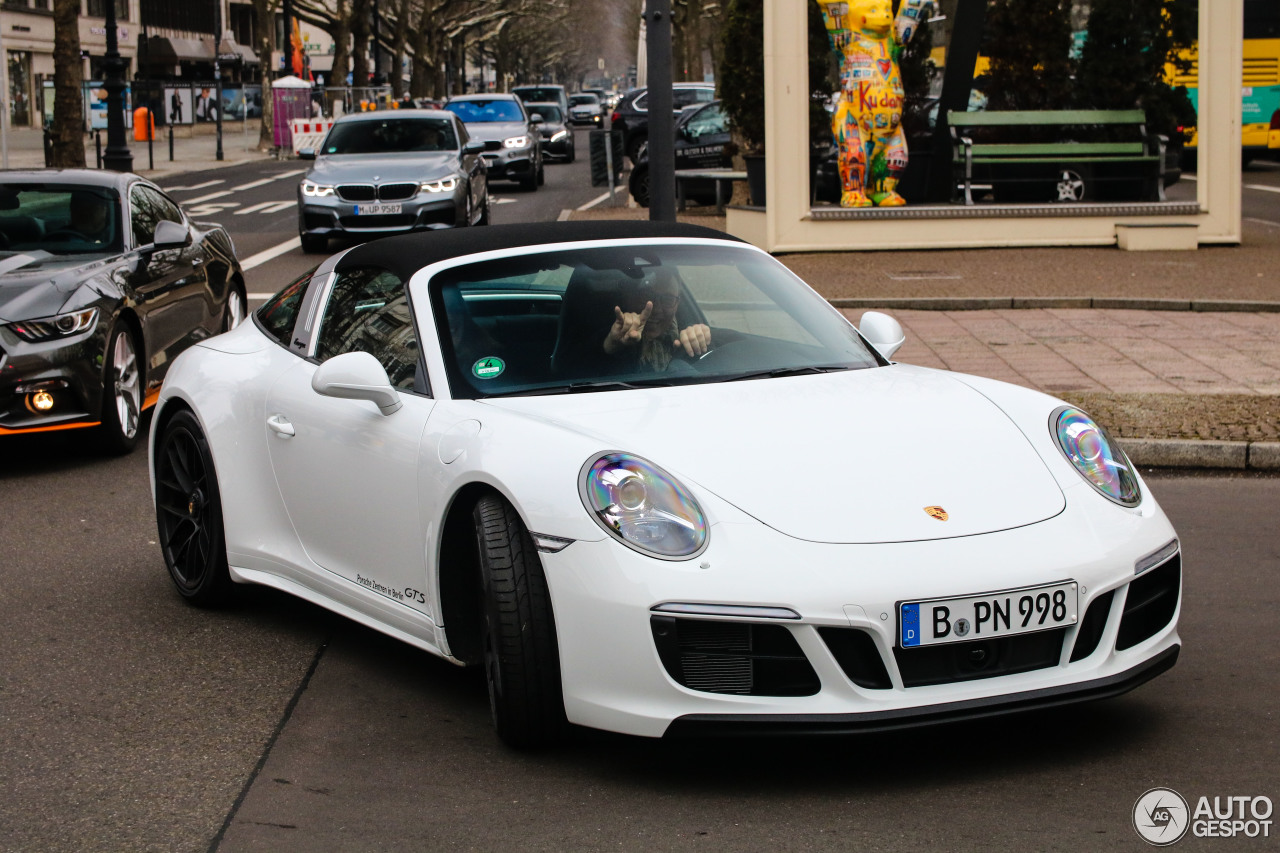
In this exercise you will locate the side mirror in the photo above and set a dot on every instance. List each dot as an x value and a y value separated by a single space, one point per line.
472 146
171 235
536 118
357 376
306 153
882 332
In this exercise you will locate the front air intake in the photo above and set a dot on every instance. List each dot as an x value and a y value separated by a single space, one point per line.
744 658
1151 603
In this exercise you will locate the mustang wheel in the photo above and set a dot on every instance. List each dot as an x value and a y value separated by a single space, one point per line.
314 244
234 313
122 393
484 211
521 658
189 513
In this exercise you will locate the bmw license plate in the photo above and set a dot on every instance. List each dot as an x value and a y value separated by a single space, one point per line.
376 209
992 614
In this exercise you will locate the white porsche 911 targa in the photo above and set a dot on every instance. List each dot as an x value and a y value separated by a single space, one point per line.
655 484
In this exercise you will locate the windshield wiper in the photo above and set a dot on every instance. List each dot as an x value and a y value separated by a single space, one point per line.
585 387
789 371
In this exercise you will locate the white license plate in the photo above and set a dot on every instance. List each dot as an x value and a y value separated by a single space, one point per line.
376 209
992 614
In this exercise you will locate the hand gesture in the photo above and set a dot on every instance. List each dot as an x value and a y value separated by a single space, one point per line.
695 340
627 328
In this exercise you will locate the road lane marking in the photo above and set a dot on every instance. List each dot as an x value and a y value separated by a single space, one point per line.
208 197
270 254
564 215
1262 221
1263 187
254 184
267 207
212 208
594 202
195 186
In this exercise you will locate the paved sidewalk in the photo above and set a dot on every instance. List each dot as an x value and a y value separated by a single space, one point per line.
1187 386
190 153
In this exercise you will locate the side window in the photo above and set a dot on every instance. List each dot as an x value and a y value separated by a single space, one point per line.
709 120
279 315
149 208
368 311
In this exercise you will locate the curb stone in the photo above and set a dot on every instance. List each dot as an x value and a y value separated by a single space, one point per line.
992 303
1190 453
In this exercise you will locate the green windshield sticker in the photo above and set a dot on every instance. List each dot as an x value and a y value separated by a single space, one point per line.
490 367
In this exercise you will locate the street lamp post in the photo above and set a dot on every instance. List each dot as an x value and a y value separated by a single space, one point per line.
117 157
217 74
662 155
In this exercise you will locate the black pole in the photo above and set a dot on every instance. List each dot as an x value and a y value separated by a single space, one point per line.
376 53
170 123
287 14
957 83
662 155
217 74
118 157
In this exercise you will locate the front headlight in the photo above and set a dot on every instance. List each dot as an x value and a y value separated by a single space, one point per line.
444 185
643 506
516 142
1098 459
58 326
311 188
558 136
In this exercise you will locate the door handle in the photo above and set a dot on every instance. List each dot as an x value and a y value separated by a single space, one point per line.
280 426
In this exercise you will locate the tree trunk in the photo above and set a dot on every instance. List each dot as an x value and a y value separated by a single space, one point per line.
264 24
341 52
360 37
398 48
68 103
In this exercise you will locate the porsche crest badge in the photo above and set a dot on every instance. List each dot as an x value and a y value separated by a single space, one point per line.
937 512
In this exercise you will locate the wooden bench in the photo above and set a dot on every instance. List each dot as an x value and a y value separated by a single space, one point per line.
1145 152
720 176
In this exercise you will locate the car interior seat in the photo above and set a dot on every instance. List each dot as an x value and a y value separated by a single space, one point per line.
586 315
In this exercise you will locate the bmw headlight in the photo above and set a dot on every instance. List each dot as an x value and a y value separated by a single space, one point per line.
1098 459
444 185
58 326
516 141
643 506
311 188
560 135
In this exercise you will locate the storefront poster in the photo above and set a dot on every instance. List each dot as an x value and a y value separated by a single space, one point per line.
178 106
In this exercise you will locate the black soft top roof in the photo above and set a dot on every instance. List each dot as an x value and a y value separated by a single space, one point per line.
405 254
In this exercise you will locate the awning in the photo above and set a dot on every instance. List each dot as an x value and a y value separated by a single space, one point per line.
246 53
163 50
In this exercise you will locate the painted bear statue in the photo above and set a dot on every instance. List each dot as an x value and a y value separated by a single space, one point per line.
868 119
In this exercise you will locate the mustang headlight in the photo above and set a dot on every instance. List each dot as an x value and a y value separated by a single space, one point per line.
643 506
59 326
311 188
444 185
1098 459
516 141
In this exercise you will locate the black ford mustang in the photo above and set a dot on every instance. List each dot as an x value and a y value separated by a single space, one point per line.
103 282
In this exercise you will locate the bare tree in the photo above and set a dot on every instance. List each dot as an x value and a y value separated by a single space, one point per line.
68 103
264 13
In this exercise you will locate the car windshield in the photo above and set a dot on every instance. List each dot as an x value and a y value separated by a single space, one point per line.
482 111
59 218
537 93
550 112
389 136
579 100
549 323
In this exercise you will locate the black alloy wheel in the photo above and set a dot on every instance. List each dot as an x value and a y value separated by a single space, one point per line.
189 513
314 244
521 657
639 184
569 152
234 311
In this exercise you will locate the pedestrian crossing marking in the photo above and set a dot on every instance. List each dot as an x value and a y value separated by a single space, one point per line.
267 207
194 186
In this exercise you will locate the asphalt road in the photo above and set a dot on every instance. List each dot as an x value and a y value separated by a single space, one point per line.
133 722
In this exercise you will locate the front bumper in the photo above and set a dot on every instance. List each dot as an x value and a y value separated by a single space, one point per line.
618 674
558 147
329 215
512 164
69 369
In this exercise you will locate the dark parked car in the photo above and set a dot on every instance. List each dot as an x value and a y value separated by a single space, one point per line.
103 282
543 94
384 172
632 113
556 133
512 144
701 136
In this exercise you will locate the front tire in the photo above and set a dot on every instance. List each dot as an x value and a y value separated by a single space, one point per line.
121 394
235 311
569 157
314 244
189 513
521 657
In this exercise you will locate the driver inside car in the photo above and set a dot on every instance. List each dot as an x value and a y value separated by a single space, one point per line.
645 332
90 217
